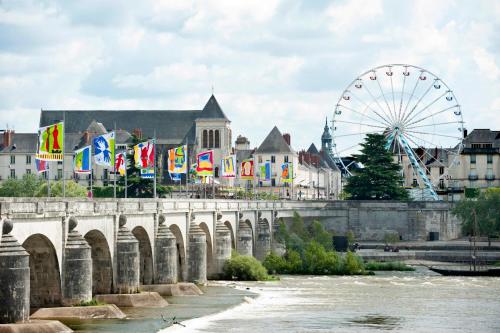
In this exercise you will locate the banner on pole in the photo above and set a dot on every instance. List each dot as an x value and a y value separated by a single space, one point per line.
104 150
177 160
228 166
82 162
144 155
148 173
51 142
286 172
41 165
120 163
205 165
265 171
246 171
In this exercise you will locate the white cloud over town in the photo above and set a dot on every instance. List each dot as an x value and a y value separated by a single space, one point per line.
270 62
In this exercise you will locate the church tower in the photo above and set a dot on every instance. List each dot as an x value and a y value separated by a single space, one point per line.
326 139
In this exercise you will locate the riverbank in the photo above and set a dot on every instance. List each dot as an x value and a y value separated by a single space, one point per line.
419 301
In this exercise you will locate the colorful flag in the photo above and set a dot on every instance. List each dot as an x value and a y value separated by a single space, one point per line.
228 166
51 142
104 149
246 171
265 171
192 171
144 155
177 160
147 173
205 165
176 177
286 172
81 161
41 165
121 163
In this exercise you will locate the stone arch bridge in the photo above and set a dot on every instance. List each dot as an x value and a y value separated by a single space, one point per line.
77 248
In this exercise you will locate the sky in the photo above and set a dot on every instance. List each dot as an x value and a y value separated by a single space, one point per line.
272 62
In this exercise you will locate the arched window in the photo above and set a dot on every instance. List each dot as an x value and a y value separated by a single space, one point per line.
205 139
210 139
217 139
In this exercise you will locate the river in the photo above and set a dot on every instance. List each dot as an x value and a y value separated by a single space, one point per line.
418 301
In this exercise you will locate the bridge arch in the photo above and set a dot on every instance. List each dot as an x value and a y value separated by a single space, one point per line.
145 255
231 232
45 277
102 265
210 261
181 252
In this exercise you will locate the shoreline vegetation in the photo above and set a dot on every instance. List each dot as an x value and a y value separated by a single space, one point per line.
309 251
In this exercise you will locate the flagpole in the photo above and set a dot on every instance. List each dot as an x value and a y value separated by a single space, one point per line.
48 179
91 174
154 163
114 162
63 153
126 173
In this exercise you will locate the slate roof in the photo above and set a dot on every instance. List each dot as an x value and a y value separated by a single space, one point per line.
274 143
242 155
483 136
312 149
23 143
173 126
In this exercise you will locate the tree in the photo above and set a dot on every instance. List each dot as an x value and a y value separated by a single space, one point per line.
485 211
73 189
380 178
139 187
318 233
28 186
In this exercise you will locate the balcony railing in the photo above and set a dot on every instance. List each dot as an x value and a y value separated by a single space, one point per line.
481 150
489 177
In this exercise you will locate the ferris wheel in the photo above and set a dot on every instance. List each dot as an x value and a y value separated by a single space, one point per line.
416 111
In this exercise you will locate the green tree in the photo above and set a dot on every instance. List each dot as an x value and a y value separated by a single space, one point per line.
318 233
28 186
484 211
73 189
380 178
298 227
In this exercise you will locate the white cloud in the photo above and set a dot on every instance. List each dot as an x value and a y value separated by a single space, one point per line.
486 63
352 14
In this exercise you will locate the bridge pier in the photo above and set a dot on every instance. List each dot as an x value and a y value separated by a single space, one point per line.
263 244
77 280
223 246
165 254
197 254
15 277
245 239
127 260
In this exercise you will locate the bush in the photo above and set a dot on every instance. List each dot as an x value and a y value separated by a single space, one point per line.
275 264
387 266
28 186
244 268
353 264
73 189
294 262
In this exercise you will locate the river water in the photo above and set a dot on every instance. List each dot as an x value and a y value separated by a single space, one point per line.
393 301
418 301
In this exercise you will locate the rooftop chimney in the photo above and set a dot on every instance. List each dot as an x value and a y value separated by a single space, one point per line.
86 137
286 136
7 138
465 133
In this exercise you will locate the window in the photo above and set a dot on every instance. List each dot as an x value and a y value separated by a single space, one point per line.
428 171
28 171
105 174
13 173
59 174
260 159
273 182
415 184
28 159
472 159
476 145
441 170
441 183
273 159
489 158
12 159
59 162
216 172
205 139
210 139
217 139
286 158
487 145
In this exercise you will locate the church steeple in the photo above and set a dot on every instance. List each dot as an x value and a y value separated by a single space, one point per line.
326 138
